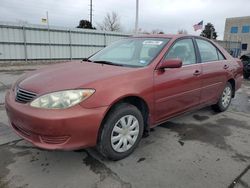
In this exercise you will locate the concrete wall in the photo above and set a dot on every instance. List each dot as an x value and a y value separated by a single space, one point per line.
38 42
243 38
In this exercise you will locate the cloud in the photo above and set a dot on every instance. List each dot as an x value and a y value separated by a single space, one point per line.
167 15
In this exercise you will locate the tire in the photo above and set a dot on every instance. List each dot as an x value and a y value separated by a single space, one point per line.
225 99
118 128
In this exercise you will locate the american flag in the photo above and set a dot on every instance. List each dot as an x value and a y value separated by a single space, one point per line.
198 26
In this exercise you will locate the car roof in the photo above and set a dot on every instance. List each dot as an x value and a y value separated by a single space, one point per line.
172 36
177 36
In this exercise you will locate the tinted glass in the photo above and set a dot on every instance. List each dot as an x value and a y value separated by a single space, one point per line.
234 29
245 29
184 50
131 52
244 46
208 51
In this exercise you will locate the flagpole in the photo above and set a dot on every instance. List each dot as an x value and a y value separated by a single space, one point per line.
47 17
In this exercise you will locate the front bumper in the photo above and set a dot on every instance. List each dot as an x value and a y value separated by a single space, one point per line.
65 129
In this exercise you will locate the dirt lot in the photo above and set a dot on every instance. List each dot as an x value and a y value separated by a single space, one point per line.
198 149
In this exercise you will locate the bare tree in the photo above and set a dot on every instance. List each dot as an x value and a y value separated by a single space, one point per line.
182 31
111 22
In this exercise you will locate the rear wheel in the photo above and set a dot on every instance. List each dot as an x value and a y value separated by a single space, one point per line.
121 133
225 99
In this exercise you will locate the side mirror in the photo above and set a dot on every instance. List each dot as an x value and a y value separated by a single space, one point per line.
171 63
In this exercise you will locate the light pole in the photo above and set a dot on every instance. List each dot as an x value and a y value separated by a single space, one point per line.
136 16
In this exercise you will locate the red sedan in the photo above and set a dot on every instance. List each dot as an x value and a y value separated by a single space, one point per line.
110 99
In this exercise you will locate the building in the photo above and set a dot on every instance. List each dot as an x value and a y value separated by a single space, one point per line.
234 48
237 30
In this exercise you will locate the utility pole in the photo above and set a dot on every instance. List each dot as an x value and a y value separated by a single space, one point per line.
136 16
90 19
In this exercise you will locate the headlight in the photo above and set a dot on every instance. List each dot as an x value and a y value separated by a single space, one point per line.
62 99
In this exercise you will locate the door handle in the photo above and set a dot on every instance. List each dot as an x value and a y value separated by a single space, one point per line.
197 73
226 67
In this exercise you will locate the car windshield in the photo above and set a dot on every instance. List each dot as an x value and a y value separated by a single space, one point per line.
134 52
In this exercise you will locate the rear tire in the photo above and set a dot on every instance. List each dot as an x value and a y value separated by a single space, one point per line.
121 133
225 99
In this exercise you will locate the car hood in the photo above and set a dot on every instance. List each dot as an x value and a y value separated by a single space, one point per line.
71 75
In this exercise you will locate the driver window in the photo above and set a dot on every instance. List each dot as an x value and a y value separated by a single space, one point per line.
184 50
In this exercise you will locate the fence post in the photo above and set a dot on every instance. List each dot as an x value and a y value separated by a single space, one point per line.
105 40
25 44
49 44
70 45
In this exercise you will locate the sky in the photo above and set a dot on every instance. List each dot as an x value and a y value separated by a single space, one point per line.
166 15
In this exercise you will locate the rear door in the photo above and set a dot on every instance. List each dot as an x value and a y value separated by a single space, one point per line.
214 71
178 89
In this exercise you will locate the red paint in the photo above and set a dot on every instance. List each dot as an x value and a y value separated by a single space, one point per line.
167 93
171 63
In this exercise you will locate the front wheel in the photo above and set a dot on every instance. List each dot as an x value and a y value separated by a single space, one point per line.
225 99
121 133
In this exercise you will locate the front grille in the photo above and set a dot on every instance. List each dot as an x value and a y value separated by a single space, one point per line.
24 96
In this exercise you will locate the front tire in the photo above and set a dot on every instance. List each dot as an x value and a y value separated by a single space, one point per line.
121 133
225 99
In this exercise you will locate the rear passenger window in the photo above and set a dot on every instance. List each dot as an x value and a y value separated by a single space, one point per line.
207 51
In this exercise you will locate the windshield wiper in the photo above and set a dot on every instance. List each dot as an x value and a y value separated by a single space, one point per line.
107 63
86 59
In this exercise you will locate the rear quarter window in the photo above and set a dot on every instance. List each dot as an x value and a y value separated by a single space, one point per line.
220 56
